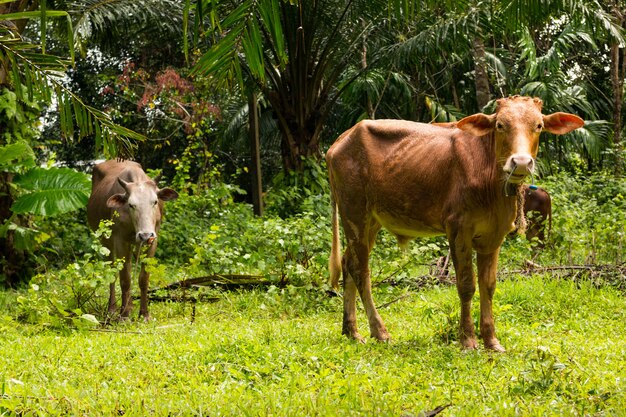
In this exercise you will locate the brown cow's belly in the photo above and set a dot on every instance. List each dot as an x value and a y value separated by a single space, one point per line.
406 227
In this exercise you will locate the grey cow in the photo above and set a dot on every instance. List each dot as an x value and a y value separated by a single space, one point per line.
123 187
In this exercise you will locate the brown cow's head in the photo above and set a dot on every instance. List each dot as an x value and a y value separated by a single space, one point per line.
141 202
516 126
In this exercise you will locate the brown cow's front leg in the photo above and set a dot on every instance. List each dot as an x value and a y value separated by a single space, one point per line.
461 252
487 266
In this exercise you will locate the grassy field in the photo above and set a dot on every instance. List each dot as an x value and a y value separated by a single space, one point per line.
279 352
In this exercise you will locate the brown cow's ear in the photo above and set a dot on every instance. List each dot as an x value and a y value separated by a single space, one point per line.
167 194
117 201
477 124
561 123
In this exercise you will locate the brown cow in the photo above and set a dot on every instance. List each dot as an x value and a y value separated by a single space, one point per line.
538 211
123 187
419 180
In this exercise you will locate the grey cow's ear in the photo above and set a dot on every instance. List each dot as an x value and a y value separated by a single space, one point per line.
167 194
117 201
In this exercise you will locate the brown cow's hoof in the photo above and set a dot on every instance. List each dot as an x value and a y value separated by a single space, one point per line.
382 336
495 346
333 293
469 344
356 336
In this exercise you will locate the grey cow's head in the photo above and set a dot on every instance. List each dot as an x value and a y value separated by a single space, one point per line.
141 202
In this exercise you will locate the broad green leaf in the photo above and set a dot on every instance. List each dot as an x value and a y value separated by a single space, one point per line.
24 238
16 156
52 191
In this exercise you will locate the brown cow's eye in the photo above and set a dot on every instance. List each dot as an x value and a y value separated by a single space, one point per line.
539 126
499 125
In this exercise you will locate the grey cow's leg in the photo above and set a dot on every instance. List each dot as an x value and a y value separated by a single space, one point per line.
144 280
112 301
144 283
487 266
125 281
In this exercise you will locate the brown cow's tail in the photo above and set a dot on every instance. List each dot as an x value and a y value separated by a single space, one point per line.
334 262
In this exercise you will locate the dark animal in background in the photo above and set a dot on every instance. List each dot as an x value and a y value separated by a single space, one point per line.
420 180
123 187
538 211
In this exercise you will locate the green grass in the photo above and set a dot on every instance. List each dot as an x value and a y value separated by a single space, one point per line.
281 353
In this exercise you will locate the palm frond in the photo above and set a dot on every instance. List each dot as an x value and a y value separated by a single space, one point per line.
591 139
98 18
37 72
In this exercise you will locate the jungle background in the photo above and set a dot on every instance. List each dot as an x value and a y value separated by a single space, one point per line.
233 104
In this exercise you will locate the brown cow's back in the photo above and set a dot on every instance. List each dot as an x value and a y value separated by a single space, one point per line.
374 160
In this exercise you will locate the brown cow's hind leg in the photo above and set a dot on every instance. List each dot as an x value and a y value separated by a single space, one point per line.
358 267
350 327
487 265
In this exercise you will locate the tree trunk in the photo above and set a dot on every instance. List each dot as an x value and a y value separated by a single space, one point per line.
298 145
13 262
483 94
617 83
369 105
255 155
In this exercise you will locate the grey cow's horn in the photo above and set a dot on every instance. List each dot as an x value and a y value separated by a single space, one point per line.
123 183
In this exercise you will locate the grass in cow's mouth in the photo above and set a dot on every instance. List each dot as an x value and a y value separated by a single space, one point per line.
280 352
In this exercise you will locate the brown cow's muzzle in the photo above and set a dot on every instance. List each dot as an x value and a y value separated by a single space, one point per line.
518 167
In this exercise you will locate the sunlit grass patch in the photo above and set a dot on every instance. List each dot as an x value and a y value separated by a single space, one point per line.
281 352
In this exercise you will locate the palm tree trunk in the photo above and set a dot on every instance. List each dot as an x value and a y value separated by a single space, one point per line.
255 154
617 83
483 94
13 263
